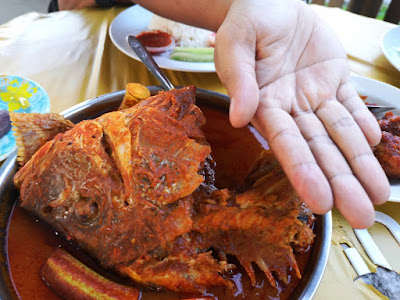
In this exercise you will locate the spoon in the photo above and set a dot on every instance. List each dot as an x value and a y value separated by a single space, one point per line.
149 62
376 109
152 66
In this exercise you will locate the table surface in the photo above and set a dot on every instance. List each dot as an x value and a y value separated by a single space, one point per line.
71 55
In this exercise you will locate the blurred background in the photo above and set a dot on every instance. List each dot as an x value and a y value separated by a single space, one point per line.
10 9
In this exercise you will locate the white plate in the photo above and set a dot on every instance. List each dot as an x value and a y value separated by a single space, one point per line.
135 20
384 94
390 46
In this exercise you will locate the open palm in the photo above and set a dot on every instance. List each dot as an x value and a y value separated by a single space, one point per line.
290 78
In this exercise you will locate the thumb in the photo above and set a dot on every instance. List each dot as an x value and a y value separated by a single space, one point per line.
235 65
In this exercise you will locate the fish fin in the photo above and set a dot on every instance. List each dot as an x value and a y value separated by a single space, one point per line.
33 130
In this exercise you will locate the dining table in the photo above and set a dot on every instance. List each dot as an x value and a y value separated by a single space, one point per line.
70 54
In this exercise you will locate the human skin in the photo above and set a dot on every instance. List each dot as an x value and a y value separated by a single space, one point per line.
287 74
78 4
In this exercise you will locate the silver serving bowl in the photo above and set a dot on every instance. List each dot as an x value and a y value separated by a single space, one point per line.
93 108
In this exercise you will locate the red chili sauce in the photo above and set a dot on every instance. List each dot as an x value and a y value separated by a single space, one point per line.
155 38
31 242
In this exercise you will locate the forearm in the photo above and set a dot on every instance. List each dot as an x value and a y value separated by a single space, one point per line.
208 14
79 4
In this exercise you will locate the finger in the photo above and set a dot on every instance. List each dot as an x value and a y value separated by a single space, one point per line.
235 65
350 99
295 157
352 201
305 174
349 195
352 143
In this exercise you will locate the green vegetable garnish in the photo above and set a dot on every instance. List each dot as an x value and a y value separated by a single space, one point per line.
193 54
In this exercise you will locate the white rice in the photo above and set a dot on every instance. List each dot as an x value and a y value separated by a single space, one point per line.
184 35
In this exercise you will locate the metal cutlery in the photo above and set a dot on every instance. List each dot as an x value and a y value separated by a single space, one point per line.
384 279
149 62
389 223
377 109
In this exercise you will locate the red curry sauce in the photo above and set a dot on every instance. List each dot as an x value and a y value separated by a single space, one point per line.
154 39
30 242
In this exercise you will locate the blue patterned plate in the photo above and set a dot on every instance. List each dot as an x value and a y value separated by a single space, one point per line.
19 94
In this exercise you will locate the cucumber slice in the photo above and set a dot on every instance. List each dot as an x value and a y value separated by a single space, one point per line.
192 57
206 50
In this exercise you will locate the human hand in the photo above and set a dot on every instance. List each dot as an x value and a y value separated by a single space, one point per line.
285 71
